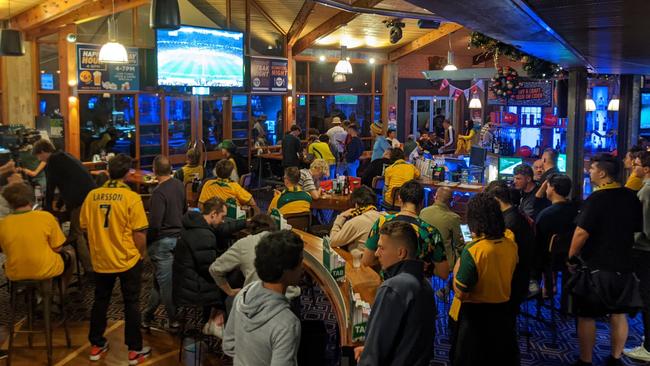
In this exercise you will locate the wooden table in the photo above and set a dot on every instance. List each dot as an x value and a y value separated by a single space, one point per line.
363 280
135 176
336 202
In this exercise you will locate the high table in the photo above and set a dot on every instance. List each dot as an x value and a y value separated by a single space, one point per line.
363 280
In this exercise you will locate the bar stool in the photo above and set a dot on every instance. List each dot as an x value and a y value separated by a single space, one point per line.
30 287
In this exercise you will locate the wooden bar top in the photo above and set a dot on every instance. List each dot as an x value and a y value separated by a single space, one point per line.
364 280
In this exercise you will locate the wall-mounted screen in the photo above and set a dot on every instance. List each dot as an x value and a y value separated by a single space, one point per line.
194 56
561 163
346 99
645 110
507 165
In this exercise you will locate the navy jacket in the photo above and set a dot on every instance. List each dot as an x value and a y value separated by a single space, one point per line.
401 328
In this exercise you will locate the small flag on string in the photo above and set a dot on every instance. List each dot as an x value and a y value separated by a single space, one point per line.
444 84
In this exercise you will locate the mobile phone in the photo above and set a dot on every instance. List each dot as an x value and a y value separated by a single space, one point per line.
467 234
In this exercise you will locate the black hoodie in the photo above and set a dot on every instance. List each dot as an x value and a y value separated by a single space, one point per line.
199 246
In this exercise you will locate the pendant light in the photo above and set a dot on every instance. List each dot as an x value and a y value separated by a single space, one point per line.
590 105
11 40
164 14
450 59
613 104
343 66
475 103
113 52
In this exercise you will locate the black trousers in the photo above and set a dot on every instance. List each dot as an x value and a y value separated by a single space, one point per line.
642 269
485 335
130 283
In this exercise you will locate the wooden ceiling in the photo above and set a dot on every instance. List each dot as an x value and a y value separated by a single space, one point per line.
17 7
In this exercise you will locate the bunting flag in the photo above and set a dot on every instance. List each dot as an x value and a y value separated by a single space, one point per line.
444 84
456 92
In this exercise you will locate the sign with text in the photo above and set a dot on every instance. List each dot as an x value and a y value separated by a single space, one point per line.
269 74
94 75
532 93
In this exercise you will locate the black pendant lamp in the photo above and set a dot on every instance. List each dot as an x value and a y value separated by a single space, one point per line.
11 40
164 14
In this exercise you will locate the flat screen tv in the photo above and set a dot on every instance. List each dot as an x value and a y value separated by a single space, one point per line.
195 56
645 110
561 163
507 165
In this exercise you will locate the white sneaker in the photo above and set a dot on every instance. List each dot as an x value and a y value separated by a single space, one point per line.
637 353
211 328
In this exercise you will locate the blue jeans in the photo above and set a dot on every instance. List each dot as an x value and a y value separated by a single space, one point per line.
161 254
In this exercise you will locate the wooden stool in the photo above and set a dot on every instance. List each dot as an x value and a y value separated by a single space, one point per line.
45 287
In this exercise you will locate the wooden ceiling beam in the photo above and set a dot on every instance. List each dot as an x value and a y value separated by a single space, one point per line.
332 24
90 11
45 12
425 40
266 15
300 22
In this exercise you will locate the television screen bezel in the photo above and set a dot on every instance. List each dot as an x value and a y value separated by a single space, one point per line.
245 62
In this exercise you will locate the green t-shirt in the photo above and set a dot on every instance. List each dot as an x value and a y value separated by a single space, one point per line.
430 244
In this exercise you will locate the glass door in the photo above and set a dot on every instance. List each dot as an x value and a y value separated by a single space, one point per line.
428 112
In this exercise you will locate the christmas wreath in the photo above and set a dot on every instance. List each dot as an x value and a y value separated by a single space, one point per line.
505 82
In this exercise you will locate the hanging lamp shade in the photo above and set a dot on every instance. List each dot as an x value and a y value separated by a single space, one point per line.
164 14
113 52
343 67
475 103
11 42
450 62
613 104
590 105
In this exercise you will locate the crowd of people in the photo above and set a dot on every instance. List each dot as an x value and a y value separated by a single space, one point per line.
244 274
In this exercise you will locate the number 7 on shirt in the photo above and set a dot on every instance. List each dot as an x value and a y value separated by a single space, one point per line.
106 207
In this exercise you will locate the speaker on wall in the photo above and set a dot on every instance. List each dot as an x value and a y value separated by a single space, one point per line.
562 102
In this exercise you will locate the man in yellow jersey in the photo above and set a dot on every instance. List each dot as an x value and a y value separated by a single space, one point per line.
293 199
396 175
224 188
45 256
114 217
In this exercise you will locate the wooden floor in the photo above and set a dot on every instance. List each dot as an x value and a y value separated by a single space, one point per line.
164 345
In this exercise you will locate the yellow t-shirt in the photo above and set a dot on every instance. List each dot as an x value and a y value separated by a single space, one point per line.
28 239
111 214
190 172
224 189
321 150
291 201
396 175
485 272
634 183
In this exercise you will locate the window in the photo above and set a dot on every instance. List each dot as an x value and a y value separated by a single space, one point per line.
212 123
179 124
48 63
150 129
107 124
267 109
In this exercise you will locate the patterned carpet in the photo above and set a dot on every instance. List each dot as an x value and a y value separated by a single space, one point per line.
540 351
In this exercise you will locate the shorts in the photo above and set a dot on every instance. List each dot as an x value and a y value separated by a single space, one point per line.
604 293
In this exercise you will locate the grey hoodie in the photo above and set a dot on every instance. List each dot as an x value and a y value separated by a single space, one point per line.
261 329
